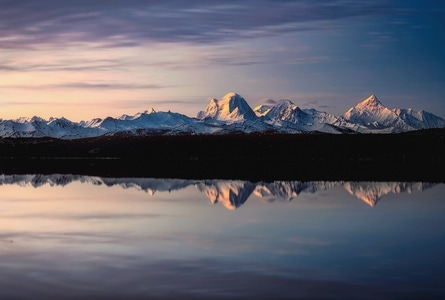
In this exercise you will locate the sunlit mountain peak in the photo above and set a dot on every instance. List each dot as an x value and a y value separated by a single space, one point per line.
372 100
230 108
231 114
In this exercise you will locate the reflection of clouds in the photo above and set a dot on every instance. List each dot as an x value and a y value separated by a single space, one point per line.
84 216
133 277
308 241
65 238
91 249
230 193
220 245
123 264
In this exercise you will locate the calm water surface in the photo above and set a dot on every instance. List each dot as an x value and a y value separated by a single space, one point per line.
136 238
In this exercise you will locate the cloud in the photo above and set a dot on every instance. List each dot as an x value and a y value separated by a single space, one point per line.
7 68
29 23
152 276
310 103
273 101
269 102
87 86
242 57
83 65
27 103
85 217
107 86
174 102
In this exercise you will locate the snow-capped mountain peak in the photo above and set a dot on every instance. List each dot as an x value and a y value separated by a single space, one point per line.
287 114
419 119
262 110
285 110
371 101
371 114
231 114
151 110
230 108
28 120
369 106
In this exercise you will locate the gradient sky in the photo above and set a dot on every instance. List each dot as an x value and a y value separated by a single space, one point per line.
94 58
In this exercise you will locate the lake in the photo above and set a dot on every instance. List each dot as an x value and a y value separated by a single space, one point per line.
84 237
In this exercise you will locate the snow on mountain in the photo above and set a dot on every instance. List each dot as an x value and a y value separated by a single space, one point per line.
287 190
286 114
372 192
157 122
10 128
371 115
64 128
231 114
231 108
320 117
419 119
148 185
154 120
141 123
262 110
38 127
91 123
285 110
232 194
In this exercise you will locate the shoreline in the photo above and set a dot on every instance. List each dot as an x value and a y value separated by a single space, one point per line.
357 171
415 156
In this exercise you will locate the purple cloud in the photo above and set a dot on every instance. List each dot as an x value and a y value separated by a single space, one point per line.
87 85
28 23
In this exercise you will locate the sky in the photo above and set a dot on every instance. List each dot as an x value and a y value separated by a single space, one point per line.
83 59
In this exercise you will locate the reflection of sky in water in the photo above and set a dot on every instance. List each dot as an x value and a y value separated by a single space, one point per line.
93 240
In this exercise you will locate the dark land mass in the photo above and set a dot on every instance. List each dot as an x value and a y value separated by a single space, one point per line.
413 156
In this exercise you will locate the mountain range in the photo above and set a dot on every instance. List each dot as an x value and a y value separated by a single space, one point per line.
232 114
232 194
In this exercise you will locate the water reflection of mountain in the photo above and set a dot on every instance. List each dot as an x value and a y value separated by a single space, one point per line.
230 193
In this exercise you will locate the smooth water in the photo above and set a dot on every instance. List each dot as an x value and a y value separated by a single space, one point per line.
134 238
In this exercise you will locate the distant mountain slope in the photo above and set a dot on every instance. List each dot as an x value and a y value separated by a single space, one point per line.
370 115
370 112
262 110
419 119
232 114
288 115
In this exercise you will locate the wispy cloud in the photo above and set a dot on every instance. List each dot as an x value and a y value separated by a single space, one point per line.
87 85
107 86
269 102
310 103
66 65
84 217
28 103
28 23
